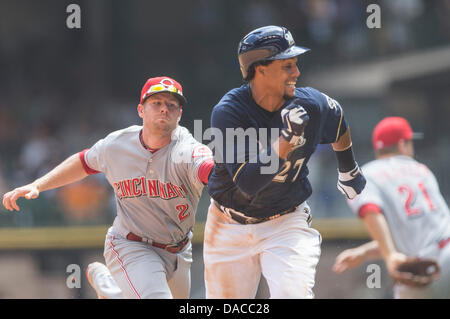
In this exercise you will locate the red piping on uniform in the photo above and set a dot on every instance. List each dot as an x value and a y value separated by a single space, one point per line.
373 208
443 243
141 139
204 170
123 269
87 169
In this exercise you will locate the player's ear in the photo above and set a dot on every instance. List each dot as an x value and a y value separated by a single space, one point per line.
260 69
179 116
406 148
140 109
402 147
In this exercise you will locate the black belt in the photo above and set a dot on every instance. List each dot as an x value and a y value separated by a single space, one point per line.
243 219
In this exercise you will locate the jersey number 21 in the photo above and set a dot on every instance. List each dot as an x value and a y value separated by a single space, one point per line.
410 211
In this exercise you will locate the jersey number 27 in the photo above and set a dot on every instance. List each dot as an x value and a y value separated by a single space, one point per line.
282 176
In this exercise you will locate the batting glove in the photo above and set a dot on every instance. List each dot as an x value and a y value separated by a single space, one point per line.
295 118
351 183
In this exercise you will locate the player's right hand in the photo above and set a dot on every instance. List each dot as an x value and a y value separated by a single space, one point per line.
295 118
29 191
348 259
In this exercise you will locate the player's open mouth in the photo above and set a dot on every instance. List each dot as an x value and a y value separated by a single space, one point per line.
291 84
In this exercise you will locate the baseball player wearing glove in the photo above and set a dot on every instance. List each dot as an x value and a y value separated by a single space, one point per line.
157 171
259 221
405 214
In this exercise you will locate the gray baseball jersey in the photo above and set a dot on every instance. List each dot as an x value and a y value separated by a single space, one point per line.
156 193
408 195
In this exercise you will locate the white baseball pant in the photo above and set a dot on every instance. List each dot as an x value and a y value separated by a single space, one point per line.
139 270
285 250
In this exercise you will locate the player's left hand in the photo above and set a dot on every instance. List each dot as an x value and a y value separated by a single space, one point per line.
351 183
412 271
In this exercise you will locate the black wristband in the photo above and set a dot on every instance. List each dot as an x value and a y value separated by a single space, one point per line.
346 160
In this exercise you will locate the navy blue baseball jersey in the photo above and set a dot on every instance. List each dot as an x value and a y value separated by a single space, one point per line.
237 182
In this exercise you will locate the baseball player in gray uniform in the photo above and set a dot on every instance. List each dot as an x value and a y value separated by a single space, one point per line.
157 171
404 212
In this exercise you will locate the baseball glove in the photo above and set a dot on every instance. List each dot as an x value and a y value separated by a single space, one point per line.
417 272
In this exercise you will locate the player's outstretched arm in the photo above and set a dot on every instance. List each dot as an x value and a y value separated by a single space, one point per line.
351 181
69 171
353 257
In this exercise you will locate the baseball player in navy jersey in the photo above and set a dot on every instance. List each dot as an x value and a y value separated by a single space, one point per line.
404 212
157 171
259 221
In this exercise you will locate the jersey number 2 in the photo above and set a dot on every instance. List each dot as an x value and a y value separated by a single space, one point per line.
182 211
410 196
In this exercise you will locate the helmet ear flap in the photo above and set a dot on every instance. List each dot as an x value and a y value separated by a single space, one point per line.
247 59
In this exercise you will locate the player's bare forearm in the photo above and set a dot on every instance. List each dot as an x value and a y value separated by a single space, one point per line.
353 257
378 229
344 142
371 250
69 171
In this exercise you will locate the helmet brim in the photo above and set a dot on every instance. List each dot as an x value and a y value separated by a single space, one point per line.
289 53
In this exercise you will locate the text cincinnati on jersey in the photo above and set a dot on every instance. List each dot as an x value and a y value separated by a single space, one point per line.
140 186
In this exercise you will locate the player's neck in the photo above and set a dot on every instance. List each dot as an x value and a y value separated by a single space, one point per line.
383 156
155 140
267 101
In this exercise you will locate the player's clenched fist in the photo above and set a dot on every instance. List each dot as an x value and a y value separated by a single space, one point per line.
29 191
295 118
351 183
